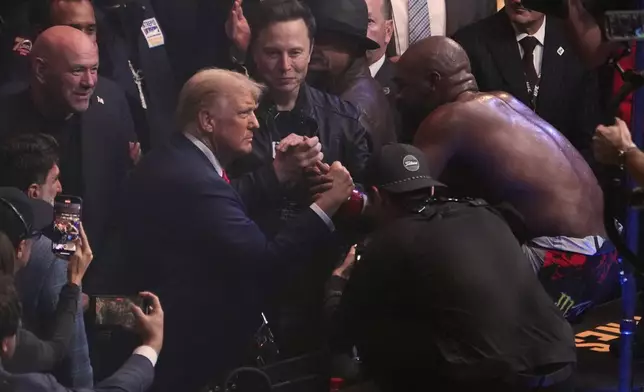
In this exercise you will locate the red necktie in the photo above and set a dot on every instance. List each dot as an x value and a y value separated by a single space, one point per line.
225 176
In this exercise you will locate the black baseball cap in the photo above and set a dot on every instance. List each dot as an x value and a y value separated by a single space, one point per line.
400 168
23 217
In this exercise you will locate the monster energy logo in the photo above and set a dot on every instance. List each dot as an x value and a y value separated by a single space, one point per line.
565 303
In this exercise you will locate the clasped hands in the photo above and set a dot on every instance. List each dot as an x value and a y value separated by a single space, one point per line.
301 158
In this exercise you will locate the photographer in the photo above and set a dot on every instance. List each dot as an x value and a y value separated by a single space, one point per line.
613 145
22 220
134 376
443 293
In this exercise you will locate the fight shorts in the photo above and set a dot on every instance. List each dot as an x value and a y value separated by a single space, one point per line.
578 273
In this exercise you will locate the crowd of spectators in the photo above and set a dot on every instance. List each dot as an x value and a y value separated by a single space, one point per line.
312 194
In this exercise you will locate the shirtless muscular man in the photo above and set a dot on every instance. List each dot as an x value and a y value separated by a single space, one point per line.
490 145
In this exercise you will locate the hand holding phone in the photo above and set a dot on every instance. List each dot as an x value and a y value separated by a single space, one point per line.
150 325
80 260
67 219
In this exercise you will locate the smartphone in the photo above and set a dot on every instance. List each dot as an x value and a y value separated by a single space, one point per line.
625 25
67 219
114 310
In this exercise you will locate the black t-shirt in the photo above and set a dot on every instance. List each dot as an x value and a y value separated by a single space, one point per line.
451 295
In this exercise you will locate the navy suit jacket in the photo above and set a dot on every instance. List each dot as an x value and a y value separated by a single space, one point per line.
189 240
135 375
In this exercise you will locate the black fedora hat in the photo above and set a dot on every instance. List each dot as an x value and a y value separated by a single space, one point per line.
347 17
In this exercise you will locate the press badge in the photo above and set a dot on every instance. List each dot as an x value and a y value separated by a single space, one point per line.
152 32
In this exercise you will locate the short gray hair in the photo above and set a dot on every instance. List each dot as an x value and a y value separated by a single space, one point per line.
209 85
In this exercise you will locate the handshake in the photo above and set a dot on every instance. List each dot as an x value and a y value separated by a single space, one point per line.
300 158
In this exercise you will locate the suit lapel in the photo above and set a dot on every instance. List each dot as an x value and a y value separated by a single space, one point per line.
553 63
505 52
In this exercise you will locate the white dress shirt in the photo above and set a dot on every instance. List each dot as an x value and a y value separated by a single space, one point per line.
540 35
437 18
215 163
375 67
148 352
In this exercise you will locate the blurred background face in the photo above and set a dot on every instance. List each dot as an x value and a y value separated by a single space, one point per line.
380 29
76 14
520 15
234 124
71 75
331 53
282 52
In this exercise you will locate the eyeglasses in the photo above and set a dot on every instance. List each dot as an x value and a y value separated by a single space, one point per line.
27 234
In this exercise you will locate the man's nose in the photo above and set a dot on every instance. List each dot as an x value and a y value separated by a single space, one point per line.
89 79
254 123
285 62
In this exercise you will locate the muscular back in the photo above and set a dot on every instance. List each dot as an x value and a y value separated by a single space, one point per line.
494 147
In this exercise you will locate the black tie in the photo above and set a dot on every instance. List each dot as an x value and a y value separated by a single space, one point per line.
528 44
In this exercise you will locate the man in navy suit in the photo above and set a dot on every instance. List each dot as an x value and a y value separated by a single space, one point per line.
134 376
190 240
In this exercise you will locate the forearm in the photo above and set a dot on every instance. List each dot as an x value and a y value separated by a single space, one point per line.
634 162
37 356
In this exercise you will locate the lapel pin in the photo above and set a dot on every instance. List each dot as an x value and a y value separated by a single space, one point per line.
386 90
100 100
560 51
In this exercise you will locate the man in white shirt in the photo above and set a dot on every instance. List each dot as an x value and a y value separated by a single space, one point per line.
418 19
528 55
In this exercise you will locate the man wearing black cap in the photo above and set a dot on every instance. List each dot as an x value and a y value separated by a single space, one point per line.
339 64
443 295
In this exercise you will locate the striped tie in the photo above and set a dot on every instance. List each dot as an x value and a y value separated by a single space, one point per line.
419 26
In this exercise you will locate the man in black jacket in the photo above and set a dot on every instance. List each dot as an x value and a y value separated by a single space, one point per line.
443 293
281 47
529 55
88 116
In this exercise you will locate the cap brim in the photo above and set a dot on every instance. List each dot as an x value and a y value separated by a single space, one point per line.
369 44
43 214
412 184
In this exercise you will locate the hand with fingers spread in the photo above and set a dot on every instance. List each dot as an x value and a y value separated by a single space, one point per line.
80 260
294 155
150 326
611 141
341 186
237 27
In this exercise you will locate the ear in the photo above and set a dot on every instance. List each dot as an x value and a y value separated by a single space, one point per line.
33 191
5 346
40 69
389 30
21 250
311 51
206 121
433 79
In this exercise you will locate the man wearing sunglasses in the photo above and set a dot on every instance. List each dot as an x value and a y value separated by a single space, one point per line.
29 162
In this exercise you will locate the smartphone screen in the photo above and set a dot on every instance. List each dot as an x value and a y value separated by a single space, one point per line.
116 311
67 218
625 25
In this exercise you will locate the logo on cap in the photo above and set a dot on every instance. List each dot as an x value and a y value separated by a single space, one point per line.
410 163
